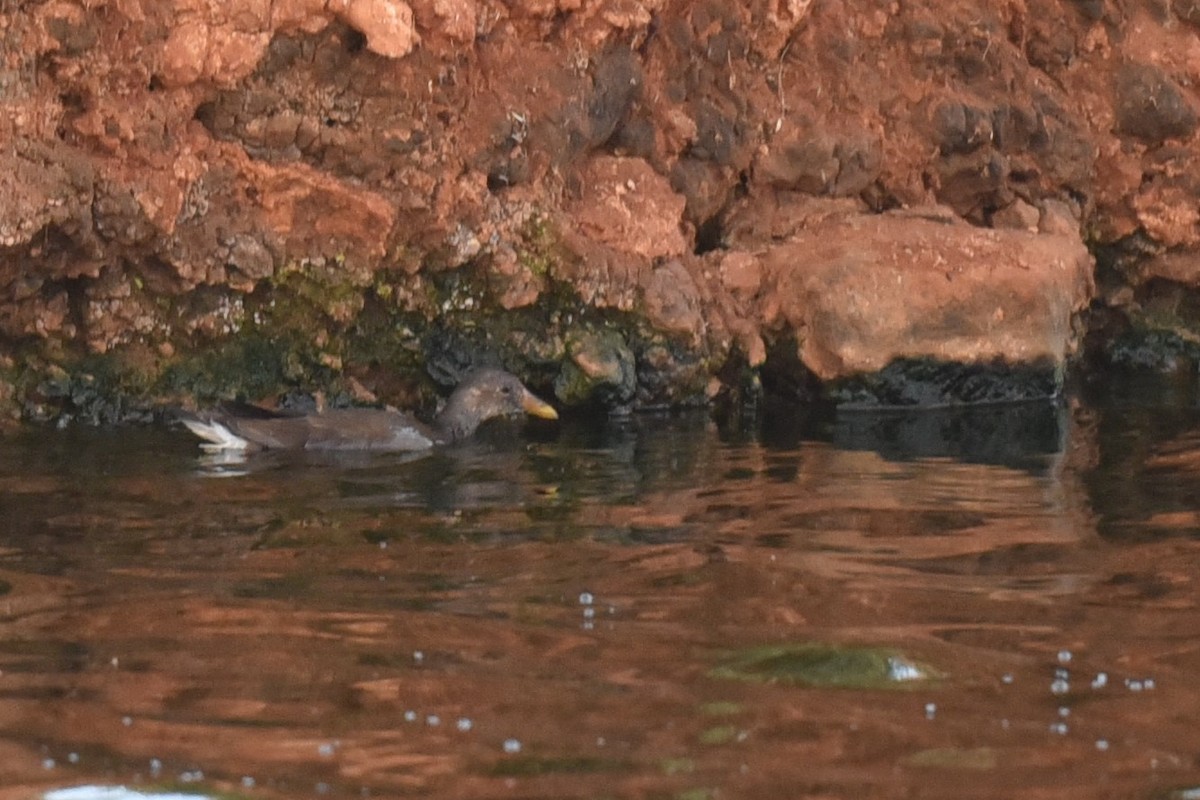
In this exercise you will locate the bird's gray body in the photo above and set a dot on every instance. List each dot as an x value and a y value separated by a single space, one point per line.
484 394
340 429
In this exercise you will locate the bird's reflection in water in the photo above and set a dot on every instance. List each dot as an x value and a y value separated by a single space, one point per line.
477 474
237 463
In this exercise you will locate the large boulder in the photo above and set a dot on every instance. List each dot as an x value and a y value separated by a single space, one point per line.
860 291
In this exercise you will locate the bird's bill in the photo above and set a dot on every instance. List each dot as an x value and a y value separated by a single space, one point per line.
536 407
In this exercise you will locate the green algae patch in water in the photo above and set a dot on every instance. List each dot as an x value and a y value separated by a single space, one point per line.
533 766
677 766
274 588
720 734
820 666
721 708
978 758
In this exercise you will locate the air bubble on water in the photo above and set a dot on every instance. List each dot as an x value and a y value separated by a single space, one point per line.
73 758
1132 685
48 763
1064 656
433 720
126 721
589 613
930 710
247 782
1065 674
326 749
322 788
383 544
1064 712
512 746
1102 744
601 741
155 767
1060 686
1059 727
464 724
1100 681
410 716
586 598
418 656
1006 678
191 776
1148 684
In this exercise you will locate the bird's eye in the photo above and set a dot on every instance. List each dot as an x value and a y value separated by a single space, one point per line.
506 390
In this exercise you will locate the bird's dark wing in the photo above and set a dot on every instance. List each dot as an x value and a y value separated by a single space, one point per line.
342 429
236 409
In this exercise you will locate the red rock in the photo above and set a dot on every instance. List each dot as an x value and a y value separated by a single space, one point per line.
1181 267
386 24
741 273
861 291
1020 216
673 303
1168 214
201 144
626 205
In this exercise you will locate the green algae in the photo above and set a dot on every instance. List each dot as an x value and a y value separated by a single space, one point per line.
533 766
276 588
696 794
825 666
601 365
978 758
540 247
316 323
677 766
249 365
719 734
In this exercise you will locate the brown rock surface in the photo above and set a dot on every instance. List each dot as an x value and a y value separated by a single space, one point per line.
175 174
863 290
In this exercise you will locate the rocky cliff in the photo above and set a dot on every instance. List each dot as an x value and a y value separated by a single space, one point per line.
637 203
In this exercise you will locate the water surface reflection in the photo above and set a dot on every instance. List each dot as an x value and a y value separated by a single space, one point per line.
546 612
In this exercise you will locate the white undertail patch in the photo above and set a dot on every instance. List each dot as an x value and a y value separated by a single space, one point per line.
216 435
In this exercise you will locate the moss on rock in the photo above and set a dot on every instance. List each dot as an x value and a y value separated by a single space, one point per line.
323 324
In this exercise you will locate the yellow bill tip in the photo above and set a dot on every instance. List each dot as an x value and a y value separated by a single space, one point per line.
536 407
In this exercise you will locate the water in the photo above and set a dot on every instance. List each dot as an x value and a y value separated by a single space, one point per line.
996 603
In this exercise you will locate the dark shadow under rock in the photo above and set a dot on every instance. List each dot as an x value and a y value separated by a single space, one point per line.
926 383
1019 435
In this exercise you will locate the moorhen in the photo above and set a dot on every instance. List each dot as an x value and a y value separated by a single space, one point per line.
483 394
